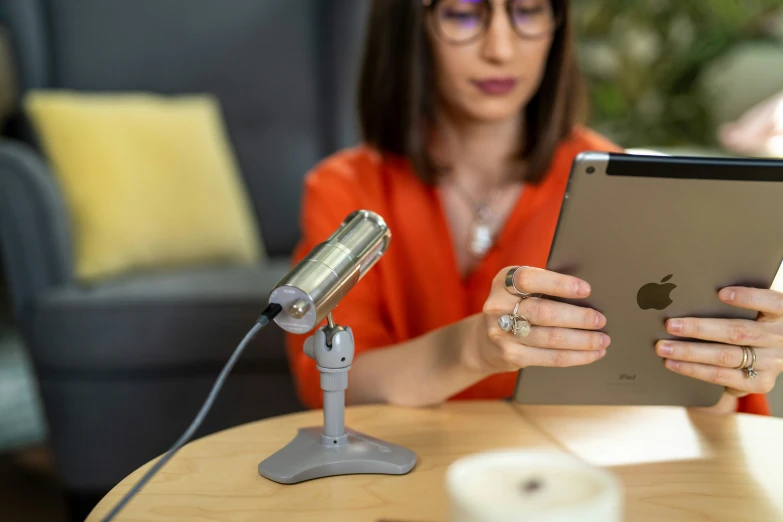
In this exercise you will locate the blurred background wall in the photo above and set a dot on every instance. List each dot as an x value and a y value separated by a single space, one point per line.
662 74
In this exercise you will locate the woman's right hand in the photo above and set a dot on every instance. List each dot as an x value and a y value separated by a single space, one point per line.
561 334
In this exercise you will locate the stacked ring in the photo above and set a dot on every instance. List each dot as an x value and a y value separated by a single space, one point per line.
750 373
748 360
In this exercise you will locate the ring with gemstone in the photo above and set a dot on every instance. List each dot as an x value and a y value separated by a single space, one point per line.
522 326
515 323
518 325
750 373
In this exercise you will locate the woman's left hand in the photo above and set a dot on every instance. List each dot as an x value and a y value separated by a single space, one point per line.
717 360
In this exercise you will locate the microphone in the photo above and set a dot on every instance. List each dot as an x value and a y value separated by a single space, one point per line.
299 302
305 297
314 287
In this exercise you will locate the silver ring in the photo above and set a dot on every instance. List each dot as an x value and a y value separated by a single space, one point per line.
515 323
522 326
506 323
744 358
515 313
750 373
511 285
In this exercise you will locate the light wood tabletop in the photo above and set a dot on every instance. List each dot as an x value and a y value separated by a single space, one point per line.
675 465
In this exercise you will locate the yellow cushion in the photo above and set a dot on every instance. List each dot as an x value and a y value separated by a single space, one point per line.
150 181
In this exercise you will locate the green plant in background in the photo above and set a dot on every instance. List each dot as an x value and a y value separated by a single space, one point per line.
643 60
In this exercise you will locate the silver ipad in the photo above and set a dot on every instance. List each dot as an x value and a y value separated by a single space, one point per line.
657 237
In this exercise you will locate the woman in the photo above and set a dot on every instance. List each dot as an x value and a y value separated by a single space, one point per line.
468 110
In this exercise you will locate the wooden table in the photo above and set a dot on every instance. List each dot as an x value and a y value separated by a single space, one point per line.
676 465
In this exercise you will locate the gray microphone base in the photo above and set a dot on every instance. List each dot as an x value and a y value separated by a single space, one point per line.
306 458
332 449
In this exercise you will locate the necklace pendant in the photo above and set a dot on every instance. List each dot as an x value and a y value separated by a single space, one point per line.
480 240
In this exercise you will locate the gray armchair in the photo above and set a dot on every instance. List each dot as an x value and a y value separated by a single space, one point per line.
123 366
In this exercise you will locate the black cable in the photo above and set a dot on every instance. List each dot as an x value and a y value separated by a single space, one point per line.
266 317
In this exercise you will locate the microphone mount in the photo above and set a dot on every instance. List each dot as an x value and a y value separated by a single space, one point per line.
333 449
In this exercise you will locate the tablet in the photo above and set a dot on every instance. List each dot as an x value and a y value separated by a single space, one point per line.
657 237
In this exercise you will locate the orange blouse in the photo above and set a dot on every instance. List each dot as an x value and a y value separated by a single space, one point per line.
416 287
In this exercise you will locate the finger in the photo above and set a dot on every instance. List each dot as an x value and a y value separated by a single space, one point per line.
730 378
723 355
768 302
519 356
544 312
729 331
539 281
566 339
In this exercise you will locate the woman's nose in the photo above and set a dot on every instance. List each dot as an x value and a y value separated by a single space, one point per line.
499 40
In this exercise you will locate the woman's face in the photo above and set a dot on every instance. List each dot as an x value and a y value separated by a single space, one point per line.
490 56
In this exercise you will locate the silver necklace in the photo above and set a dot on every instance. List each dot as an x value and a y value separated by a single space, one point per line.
480 235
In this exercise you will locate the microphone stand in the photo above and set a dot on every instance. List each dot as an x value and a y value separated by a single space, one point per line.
331 449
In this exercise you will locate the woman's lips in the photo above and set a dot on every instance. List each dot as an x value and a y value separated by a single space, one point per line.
495 86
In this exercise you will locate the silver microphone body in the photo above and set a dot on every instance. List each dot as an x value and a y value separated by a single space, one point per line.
311 290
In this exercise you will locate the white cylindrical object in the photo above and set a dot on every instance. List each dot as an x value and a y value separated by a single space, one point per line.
526 486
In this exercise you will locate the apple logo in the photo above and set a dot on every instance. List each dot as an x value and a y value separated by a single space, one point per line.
656 295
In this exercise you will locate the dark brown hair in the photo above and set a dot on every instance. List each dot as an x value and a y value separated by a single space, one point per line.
397 90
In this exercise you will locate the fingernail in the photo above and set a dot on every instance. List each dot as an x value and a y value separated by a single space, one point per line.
606 340
601 353
728 295
583 289
674 365
675 325
665 349
598 319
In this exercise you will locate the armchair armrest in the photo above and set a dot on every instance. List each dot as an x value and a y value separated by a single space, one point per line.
35 240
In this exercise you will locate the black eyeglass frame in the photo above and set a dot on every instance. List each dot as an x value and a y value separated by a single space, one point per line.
430 6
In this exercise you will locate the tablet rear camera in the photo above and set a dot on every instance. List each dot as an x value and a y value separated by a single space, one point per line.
591 170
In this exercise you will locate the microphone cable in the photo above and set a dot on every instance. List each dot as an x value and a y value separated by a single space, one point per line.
264 319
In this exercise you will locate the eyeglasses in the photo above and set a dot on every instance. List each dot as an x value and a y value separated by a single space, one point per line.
464 21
